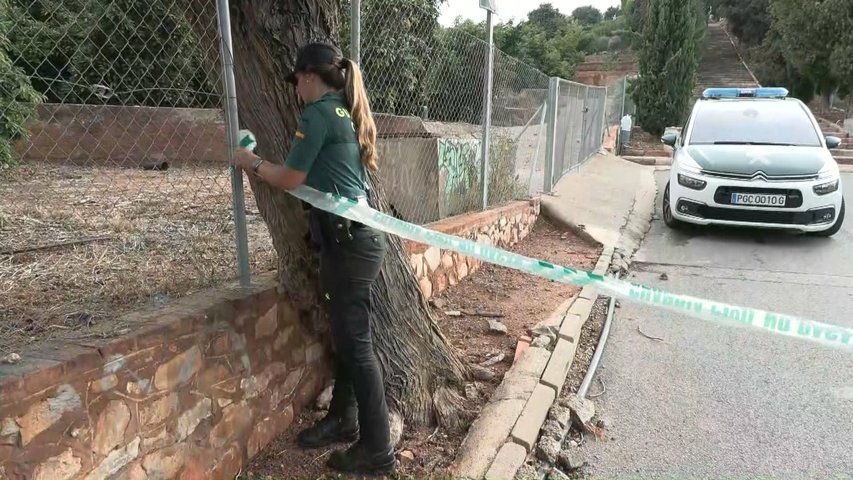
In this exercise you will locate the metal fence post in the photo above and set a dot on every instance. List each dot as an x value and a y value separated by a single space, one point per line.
551 135
603 135
238 202
619 138
584 119
487 107
232 127
355 34
545 112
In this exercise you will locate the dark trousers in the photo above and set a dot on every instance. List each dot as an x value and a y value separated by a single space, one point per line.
349 265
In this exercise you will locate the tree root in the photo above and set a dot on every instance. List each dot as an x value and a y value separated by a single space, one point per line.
451 411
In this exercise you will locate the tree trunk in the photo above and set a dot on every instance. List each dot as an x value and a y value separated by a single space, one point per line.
422 372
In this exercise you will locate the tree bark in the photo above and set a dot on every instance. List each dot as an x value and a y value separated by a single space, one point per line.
423 373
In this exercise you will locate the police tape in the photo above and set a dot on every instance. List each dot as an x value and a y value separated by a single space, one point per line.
730 315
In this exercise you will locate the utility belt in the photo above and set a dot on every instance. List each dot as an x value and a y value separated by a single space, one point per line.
328 230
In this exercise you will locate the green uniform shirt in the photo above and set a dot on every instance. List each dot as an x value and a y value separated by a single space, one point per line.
326 147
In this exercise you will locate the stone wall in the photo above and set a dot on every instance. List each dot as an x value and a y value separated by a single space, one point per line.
196 388
192 392
428 169
502 227
129 137
605 69
124 136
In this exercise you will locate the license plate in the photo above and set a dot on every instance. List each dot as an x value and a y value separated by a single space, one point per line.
758 199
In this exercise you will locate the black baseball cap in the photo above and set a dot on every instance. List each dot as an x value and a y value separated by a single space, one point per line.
314 55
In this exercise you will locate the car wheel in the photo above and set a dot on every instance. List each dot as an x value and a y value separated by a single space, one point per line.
835 228
668 218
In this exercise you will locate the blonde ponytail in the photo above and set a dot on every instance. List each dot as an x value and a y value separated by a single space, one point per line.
359 105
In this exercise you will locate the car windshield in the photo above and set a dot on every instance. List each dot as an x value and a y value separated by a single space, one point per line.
753 123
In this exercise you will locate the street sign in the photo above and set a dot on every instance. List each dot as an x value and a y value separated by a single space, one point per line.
489 5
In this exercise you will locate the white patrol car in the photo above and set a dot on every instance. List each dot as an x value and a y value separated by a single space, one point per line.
755 158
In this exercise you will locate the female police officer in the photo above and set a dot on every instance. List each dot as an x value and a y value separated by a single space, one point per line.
334 145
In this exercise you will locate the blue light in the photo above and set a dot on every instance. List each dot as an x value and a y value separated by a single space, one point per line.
760 92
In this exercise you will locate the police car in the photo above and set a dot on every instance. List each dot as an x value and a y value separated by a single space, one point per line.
756 158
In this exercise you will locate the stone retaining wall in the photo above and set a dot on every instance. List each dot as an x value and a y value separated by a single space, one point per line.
196 389
502 227
192 392
122 136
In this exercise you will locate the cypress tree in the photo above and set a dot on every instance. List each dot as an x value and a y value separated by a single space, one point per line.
668 61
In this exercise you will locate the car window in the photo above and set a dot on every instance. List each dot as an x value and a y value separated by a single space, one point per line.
753 122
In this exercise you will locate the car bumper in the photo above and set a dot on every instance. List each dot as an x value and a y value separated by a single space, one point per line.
805 211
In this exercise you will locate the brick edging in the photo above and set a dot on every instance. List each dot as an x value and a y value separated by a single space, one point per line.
199 387
502 437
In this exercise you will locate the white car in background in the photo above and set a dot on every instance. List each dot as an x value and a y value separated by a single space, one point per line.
753 158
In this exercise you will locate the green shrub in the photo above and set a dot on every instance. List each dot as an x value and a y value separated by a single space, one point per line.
18 98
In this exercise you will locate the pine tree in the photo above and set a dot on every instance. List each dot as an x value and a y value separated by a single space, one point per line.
668 60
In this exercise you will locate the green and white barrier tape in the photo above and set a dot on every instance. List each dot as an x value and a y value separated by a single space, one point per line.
731 315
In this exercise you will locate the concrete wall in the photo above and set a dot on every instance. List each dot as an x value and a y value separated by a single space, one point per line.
197 388
459 163
409 173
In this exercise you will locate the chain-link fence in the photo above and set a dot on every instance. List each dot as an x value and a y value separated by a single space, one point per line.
518 133
427 85
115 191
579 130
426 88
619 105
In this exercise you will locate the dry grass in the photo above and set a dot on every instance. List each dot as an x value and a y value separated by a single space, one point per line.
145 237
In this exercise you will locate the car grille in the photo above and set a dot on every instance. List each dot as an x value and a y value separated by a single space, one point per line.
761 176
779 217
794 198
756 216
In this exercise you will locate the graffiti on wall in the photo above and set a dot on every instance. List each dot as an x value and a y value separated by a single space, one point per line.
459 172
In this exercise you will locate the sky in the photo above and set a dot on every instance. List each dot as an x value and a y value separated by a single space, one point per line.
513 9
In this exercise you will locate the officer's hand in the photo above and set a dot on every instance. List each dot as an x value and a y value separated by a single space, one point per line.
244 159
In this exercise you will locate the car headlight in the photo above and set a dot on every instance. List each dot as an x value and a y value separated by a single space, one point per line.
691 182
826 188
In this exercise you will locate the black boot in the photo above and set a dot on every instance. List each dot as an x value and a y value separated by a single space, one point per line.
331 429
359 459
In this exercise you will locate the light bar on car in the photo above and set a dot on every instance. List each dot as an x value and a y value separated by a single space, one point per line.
760 92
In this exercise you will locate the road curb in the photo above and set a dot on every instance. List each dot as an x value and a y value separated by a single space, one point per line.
647 161
512 419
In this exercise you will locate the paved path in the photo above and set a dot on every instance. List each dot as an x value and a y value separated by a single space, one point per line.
599 196
717 402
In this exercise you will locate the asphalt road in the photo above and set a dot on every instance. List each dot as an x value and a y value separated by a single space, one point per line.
712 401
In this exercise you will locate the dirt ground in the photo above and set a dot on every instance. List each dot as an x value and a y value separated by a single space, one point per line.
519 301
80 247
642 140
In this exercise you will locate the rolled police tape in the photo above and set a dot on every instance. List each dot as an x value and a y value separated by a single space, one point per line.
723 313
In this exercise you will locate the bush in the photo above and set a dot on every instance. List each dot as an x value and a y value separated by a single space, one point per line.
18 98
504 182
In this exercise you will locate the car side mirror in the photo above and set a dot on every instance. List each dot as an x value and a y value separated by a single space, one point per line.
669 138
832 142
